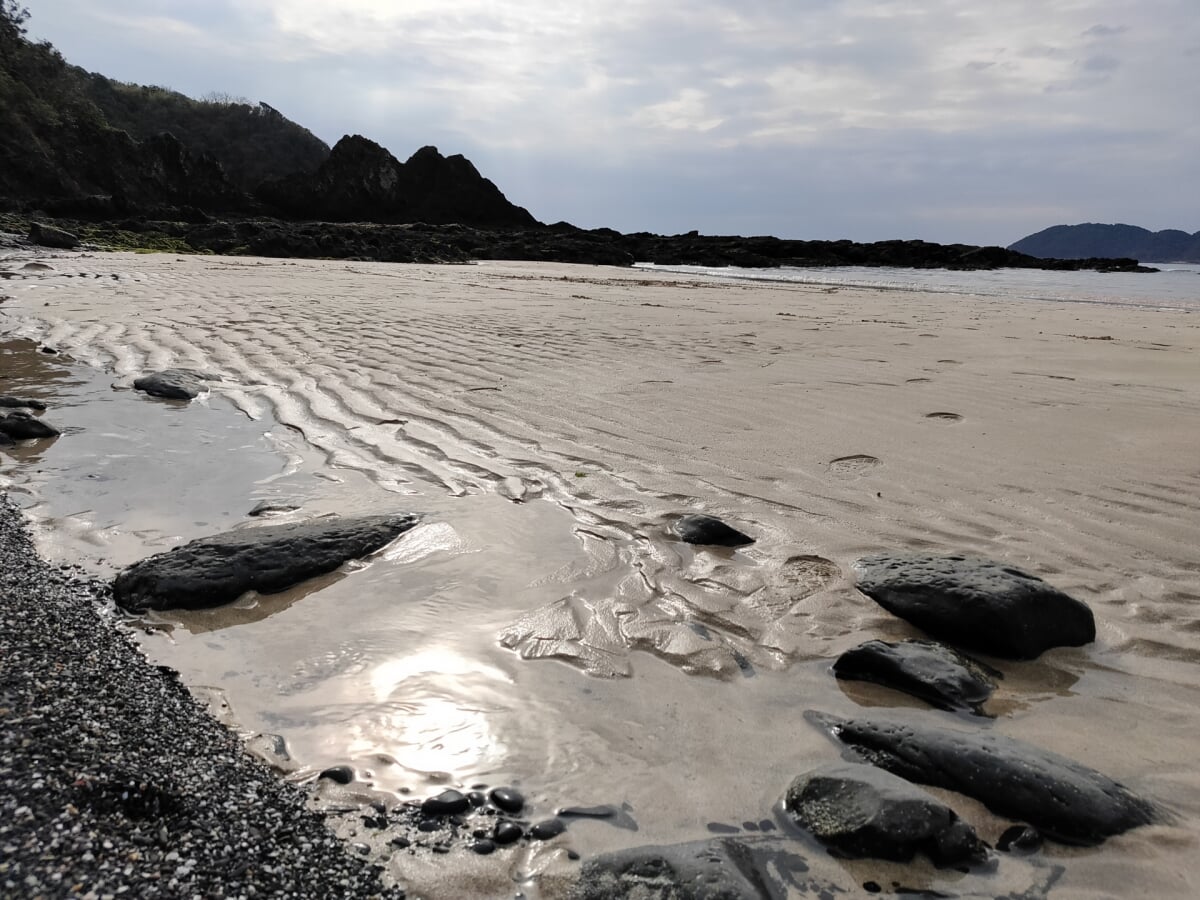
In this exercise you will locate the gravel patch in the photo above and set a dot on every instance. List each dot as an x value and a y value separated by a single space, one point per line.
115 782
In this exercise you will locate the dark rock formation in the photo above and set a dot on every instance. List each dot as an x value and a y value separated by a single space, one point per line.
710 531
717 869
363 182
862 811
1064 800
933 672
1091 240
976 603
174 384
50 236
22 426
19 403
216 570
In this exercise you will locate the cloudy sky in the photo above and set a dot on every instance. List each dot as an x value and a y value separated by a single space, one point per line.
948 120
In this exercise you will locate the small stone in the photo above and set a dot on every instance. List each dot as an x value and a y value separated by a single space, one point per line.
477 798
508 799
22 426
447 803
547 829
483 847
722 828
1019 839
507 832
340 774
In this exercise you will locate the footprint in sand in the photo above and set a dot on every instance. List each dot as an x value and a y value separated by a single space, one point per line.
853 466
944 416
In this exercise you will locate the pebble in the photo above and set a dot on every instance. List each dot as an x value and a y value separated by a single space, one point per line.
547 829
339 774
507 832
447 803
508 799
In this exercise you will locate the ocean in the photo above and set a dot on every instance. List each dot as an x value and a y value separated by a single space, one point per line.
1174 286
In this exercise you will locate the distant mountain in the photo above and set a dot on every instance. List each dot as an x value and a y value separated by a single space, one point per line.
1091 239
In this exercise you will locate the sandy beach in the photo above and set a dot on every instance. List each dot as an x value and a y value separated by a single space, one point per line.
564 642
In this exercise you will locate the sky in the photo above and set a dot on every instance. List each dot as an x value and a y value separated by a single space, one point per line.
971 121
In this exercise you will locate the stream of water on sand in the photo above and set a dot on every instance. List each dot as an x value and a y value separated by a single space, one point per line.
402 666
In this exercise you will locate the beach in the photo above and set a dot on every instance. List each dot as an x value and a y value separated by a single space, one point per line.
550 422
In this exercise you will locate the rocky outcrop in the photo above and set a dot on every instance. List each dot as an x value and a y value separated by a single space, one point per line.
976 603
1064 800
717 869
363 182
861 811
937 674
49 236
174 384
216 570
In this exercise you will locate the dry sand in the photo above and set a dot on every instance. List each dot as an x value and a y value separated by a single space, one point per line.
829 423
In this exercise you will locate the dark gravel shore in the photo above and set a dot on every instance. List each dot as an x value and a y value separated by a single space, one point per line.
114 781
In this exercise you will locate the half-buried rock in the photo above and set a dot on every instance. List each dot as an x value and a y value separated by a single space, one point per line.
711 531
976 603
931 671
216 570
174 384
21 426
1064 800
860 811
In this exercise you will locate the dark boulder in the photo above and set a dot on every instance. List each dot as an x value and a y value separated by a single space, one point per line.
976 603
22 426
19 403
216 570
710 531
931 671
50 236
174 384
1064 800
716 869
861 811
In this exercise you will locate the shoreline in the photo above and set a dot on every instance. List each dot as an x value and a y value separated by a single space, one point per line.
114 779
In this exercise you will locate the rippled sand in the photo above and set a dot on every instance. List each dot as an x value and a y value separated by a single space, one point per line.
543 628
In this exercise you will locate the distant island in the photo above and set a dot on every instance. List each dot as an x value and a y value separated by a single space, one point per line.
1092 239
85 158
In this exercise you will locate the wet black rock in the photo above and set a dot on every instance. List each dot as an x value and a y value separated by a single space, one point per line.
1064 800
507 833
862 811
21 426
484 847
714 869
216 570
510 800
477 799
447 803
933 672
976 603
618 817
19 403
338 774
710 531
266 507
174 384
547 829
50 236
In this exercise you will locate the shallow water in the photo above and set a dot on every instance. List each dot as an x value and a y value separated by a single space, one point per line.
678 676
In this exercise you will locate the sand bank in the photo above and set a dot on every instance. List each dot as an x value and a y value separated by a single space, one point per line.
827 423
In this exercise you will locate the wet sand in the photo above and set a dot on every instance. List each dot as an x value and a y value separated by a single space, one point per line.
827 423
